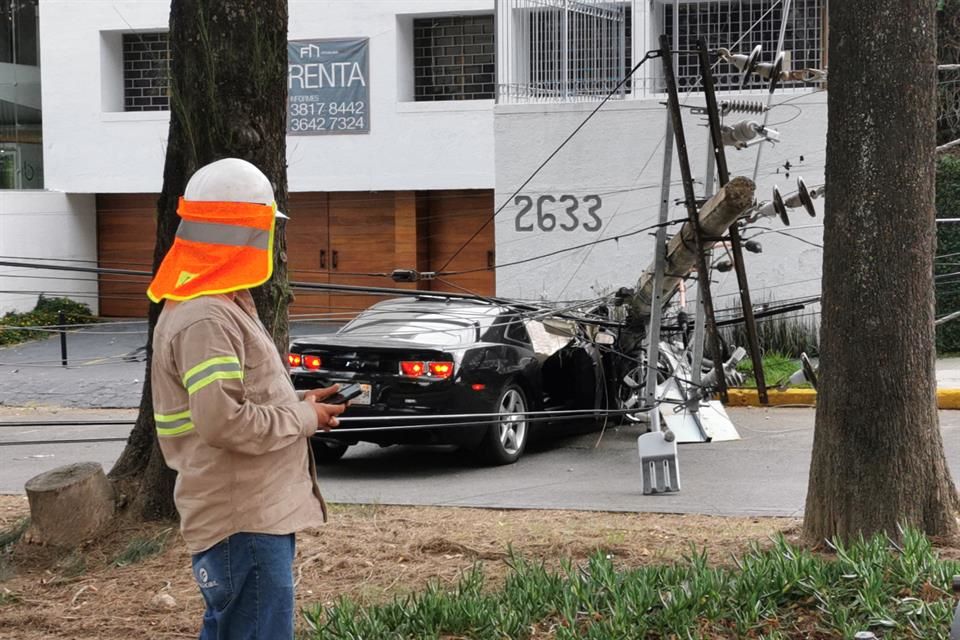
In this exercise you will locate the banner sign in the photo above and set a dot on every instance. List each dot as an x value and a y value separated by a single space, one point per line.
327 89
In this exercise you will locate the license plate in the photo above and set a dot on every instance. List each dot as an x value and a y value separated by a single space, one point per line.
366 391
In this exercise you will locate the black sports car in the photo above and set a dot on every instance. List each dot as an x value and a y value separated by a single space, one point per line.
427 364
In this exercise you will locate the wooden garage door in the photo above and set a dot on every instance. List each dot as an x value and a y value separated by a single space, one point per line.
126 232
308 252
340 238
452 218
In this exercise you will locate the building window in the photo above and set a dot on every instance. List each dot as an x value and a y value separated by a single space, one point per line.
146 72
453 58
21 132
751 22
565 50
582 54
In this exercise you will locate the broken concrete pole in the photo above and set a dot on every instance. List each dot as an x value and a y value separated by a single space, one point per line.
69 504
716 216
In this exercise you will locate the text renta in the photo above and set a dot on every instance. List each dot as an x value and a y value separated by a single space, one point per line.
322 75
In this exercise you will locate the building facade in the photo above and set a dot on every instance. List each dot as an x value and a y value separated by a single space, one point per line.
410 123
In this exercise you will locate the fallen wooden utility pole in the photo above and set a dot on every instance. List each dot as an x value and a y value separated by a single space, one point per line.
716 216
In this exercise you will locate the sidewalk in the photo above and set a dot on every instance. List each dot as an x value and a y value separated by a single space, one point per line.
948 391
106 369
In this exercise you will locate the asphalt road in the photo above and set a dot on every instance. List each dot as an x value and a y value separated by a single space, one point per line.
764 473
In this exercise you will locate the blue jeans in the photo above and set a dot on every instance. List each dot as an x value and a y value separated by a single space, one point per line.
247 582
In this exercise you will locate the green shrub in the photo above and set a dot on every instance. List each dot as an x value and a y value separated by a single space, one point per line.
776 369
789 334
45 315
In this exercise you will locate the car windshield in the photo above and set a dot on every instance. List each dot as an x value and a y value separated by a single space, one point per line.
431 329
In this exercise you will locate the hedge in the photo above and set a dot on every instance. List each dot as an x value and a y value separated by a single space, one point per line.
45 314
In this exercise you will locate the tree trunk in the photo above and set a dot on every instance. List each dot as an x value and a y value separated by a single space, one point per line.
70 504
878 456
228 88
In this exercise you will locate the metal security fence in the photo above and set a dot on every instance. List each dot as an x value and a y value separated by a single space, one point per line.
741 25
561 50
579 50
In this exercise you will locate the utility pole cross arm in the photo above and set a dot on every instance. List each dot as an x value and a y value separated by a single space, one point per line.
716 216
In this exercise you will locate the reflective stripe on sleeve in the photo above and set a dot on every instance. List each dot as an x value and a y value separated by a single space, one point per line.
220 368
213 377
173 424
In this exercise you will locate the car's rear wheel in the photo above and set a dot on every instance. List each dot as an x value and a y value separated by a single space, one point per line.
506 438
326 451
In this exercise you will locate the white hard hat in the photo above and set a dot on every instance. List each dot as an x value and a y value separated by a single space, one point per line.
230 180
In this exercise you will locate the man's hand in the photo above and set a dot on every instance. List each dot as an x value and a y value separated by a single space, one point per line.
326 413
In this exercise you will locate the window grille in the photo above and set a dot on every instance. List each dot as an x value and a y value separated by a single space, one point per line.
757 22
570 50
563 50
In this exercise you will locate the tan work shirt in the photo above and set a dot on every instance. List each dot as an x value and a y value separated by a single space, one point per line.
230 424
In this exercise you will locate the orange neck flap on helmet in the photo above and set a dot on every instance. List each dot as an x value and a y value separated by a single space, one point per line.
219 247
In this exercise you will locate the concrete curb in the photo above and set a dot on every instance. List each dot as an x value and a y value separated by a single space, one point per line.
946 398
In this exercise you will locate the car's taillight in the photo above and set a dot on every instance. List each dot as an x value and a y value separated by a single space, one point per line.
312 362
413 369
294 359
417 369
440 369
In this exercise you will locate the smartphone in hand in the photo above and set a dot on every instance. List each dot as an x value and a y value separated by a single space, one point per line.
347 393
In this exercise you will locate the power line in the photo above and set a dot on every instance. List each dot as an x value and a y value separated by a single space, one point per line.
647 56
573 248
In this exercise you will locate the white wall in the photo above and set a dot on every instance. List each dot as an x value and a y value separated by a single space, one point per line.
91 146
411 145
88 146
47 224
619 156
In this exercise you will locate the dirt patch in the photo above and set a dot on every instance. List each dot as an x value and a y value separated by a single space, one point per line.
369 553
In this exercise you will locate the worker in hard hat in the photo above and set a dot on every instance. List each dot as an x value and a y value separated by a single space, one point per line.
228 419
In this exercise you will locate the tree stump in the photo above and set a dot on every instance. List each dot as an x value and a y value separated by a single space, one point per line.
69 504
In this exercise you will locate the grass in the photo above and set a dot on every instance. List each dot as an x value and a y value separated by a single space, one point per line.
12 534
777 367
9 536
73 565
139 549
897 591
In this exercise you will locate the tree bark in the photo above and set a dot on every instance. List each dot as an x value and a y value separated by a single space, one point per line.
878 458
69 504
228 88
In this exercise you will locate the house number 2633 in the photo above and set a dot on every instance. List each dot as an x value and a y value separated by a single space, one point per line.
549 213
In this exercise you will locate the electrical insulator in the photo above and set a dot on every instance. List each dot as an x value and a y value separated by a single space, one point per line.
742 106
746 133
